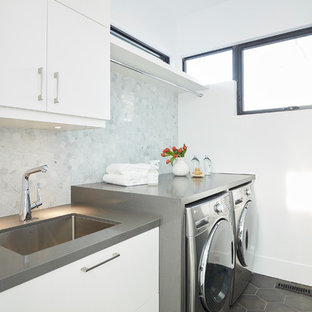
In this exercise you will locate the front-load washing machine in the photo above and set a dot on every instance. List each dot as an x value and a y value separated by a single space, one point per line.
210 254
245 237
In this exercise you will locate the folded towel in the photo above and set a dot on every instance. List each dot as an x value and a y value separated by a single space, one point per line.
124 180
135 170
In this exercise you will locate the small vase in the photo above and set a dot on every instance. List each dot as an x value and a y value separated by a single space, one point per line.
180 167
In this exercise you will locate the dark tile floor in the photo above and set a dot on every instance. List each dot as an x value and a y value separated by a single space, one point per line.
261 295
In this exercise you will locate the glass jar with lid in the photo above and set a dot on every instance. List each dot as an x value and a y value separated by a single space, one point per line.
195 164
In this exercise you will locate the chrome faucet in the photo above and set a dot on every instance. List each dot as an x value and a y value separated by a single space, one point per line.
26 206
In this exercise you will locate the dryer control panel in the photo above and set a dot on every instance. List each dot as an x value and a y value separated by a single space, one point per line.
203 214
241 195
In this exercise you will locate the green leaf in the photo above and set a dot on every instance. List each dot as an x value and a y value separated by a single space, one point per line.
171 160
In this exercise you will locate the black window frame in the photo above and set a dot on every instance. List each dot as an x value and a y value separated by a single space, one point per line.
139 44
237 70
239 67
187 58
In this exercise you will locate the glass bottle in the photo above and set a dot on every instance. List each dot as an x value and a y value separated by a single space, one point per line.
152 174
195 164
207 165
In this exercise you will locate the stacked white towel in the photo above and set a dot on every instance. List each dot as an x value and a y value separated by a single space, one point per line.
127 174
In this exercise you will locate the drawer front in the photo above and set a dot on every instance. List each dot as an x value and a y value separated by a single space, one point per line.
122 284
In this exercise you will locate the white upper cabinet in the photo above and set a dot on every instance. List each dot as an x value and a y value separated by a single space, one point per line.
98 11
22 53
78 62
54 63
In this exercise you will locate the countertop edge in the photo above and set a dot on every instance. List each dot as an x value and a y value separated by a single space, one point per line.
243 179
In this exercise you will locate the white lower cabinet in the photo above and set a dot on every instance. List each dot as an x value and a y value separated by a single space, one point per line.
127 283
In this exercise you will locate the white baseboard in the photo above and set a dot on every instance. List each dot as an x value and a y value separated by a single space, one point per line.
286 270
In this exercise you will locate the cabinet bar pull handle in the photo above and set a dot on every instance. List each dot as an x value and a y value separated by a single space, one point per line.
40 72
114 256
57 77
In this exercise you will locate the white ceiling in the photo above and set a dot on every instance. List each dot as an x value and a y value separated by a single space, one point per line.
155 22
183 7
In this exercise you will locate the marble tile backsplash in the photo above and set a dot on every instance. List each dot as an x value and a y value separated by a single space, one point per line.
143 121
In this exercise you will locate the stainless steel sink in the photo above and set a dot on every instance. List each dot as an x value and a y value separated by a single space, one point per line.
32 237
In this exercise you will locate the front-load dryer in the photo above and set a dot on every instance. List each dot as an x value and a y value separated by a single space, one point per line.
210 254
245 237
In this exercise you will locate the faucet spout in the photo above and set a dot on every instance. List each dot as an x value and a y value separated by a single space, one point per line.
42 169
26 206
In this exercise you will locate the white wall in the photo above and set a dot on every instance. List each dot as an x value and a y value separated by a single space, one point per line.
235 21
277 147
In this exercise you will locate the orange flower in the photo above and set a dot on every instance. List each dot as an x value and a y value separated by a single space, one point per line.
167 161
180 150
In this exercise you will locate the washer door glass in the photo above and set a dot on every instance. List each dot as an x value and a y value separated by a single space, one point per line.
246 235
216 267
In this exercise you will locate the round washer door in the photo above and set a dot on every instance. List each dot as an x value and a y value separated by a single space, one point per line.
216 267
246 235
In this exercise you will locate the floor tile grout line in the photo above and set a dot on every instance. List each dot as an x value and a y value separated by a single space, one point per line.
279 299
245 310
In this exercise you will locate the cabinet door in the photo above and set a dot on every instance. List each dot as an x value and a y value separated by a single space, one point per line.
123 284
23 26
79 64
152 305
97 10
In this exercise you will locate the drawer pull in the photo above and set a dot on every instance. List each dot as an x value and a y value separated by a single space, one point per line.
40 72
114 256
57 77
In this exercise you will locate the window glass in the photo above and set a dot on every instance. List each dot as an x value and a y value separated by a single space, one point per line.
210 68
277 75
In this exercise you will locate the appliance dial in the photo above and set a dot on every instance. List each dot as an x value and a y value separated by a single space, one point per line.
248 192
218 208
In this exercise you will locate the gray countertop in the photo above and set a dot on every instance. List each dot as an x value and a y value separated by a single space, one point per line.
186 189
16 269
